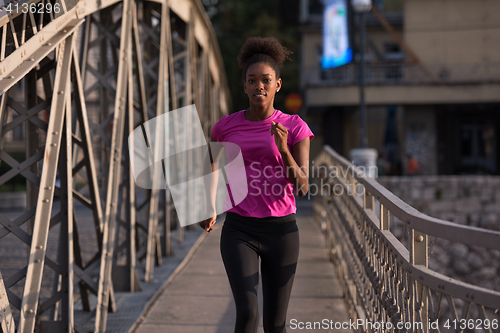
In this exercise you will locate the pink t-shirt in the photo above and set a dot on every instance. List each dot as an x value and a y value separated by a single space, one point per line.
269 190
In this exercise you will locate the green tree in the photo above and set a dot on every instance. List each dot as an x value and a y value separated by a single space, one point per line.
236 20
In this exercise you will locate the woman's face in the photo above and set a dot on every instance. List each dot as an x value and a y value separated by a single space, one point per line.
261 84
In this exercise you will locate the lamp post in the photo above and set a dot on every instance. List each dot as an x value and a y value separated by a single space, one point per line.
363 156
361 7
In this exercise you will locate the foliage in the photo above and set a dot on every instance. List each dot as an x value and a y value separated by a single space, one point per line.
236 20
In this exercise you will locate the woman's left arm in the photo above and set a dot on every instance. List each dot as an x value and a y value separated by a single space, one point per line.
296 162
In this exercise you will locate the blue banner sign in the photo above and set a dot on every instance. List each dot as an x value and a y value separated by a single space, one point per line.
336 49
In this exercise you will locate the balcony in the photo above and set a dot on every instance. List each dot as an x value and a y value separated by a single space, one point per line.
405 74
403 83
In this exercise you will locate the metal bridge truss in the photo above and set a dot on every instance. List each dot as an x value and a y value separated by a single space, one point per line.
79 81
385 281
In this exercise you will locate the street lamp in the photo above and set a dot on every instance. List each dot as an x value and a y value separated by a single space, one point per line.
361 7
363 156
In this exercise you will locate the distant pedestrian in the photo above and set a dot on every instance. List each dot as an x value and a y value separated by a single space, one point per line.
411 166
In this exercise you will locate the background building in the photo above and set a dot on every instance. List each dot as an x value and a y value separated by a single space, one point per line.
433 84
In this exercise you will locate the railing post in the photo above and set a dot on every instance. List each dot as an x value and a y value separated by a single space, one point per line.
368 199
418 256
385 215
353 185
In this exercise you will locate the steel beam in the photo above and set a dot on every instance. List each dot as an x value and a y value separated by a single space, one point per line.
7 324
170 81
46 195
105 282
152 239
85 144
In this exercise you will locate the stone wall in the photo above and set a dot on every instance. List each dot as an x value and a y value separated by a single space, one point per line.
467 200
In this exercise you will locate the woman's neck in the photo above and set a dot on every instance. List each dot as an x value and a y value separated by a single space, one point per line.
254 113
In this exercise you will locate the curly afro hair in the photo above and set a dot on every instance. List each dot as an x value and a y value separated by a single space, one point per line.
262 50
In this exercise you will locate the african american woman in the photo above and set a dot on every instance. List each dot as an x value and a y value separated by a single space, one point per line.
275 151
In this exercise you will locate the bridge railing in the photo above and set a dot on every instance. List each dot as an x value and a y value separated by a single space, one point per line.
389 287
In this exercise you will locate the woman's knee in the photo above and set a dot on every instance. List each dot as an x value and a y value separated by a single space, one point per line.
247 315
271 328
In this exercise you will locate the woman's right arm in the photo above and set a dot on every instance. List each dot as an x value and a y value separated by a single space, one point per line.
215 150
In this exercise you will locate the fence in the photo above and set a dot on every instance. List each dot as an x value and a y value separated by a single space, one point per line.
385 281
404 73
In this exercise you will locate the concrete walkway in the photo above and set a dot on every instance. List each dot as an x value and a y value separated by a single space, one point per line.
199 299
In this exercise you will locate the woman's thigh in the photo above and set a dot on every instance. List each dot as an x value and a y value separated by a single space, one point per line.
239 254
279 262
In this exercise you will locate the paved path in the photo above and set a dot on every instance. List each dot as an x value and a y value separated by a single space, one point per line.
199 299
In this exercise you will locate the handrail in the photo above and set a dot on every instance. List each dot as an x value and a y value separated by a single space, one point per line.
384 281
420 221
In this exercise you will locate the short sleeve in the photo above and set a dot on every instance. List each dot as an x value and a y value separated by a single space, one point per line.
217 131
301 130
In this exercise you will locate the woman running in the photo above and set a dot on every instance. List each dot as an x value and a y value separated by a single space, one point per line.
275 150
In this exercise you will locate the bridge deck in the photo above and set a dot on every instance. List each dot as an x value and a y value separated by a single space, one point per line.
199 298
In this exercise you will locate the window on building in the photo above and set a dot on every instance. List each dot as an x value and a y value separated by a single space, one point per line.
393 6
477 148
394 56
315 7
466 142
379 4
393 52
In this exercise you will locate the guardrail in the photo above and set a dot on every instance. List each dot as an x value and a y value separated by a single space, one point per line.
389 287
404 73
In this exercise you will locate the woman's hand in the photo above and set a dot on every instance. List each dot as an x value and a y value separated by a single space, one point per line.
280 136
208 224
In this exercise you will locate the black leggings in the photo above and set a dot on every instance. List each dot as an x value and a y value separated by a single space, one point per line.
276 241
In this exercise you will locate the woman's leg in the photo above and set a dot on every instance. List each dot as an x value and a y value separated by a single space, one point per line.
279 257
240 259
